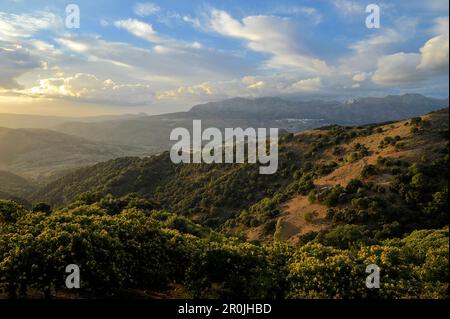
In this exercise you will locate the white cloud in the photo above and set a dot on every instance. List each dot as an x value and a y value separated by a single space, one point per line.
144 9
247 86
366 52
307 85
193 21
359 77
310 12
14 26
348 7
73 45
397 68
435 55
269 34
89 88
139 29
404 68
163 66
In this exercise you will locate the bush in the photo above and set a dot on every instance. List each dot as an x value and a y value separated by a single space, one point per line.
369 170
10 211
42 208
232 271
309 217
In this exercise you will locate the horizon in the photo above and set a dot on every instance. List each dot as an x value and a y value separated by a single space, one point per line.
118 115
162 57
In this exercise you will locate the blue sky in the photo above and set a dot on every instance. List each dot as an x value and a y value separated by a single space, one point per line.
164 56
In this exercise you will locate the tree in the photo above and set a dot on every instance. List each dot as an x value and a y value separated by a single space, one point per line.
42 208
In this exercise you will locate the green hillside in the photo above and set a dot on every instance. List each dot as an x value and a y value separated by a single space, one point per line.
373 159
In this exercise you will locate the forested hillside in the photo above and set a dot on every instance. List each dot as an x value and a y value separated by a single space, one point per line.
343 198
331 167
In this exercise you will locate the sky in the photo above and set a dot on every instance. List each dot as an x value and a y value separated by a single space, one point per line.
166 56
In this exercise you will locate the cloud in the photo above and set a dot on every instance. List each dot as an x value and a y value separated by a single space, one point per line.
435 54
348 7
191 20
145 31
397 68
307 85
144 9
269 34
15 61
365 52
435 51
360 77
309 12
73 45
139 29
162 67
14 26
430 63
88 88
247 86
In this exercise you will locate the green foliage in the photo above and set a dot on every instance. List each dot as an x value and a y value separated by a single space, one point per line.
416 266
129 249
368 170
10 211
150 249
42 208
388 140
309 217
424 188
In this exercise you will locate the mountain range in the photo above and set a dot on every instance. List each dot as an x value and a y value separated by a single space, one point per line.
153 132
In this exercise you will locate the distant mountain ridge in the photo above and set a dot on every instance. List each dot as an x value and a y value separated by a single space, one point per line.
153 132
357 111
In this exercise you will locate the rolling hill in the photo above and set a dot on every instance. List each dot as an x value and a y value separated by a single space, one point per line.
10 120
11 185
39 153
